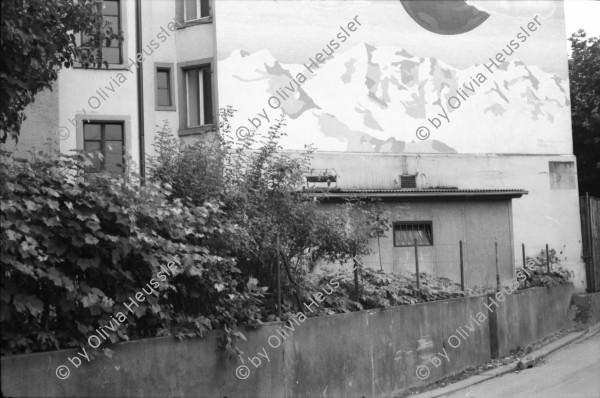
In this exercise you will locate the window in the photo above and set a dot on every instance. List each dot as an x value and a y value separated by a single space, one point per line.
198 96
110 52
406 232
107 139
196 110
164 87
195 9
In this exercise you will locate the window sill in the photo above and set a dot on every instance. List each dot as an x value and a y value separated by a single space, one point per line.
195 130
161 108
201 21
411 246
104 68
93 175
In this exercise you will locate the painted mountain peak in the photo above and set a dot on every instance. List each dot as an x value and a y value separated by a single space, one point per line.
371 99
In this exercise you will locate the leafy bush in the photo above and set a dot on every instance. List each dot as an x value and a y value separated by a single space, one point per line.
79 245
260 187
537 271
76 247
378 290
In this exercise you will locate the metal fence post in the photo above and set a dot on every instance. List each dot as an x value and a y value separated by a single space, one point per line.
356 287
462 267
523 250
547 259
278 280
417 265
497 273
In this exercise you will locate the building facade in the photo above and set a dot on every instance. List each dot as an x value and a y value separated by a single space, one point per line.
456 116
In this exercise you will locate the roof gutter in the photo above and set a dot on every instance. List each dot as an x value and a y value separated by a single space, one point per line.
140 91
489 194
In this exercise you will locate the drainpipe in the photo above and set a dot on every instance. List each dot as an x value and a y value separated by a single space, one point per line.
140 90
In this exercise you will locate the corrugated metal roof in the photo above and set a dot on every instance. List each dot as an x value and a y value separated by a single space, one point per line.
417 192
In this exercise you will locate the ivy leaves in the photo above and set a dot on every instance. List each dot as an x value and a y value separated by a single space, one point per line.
75 247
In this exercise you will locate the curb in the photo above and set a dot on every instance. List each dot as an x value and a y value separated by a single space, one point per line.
527 362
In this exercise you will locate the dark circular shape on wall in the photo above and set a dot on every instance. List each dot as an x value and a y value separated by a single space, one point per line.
445 17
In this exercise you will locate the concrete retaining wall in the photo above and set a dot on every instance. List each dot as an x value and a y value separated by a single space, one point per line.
367 353
585 309
527 316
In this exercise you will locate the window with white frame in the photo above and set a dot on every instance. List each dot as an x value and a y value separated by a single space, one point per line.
195 9
198 96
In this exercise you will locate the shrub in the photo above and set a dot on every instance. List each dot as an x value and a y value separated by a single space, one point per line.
537 273
260 187
76 247
378 290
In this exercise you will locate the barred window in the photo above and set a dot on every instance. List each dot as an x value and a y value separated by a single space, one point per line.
405 233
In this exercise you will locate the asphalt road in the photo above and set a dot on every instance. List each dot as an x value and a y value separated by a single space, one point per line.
571 372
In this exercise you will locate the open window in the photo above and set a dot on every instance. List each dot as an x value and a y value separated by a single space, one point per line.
193 12
195 9
196 97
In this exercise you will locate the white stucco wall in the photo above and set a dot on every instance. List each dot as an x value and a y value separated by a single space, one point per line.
87 93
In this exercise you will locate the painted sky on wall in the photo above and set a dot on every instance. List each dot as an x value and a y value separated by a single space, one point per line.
307 24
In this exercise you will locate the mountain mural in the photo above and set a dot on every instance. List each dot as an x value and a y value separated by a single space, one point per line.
372 99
